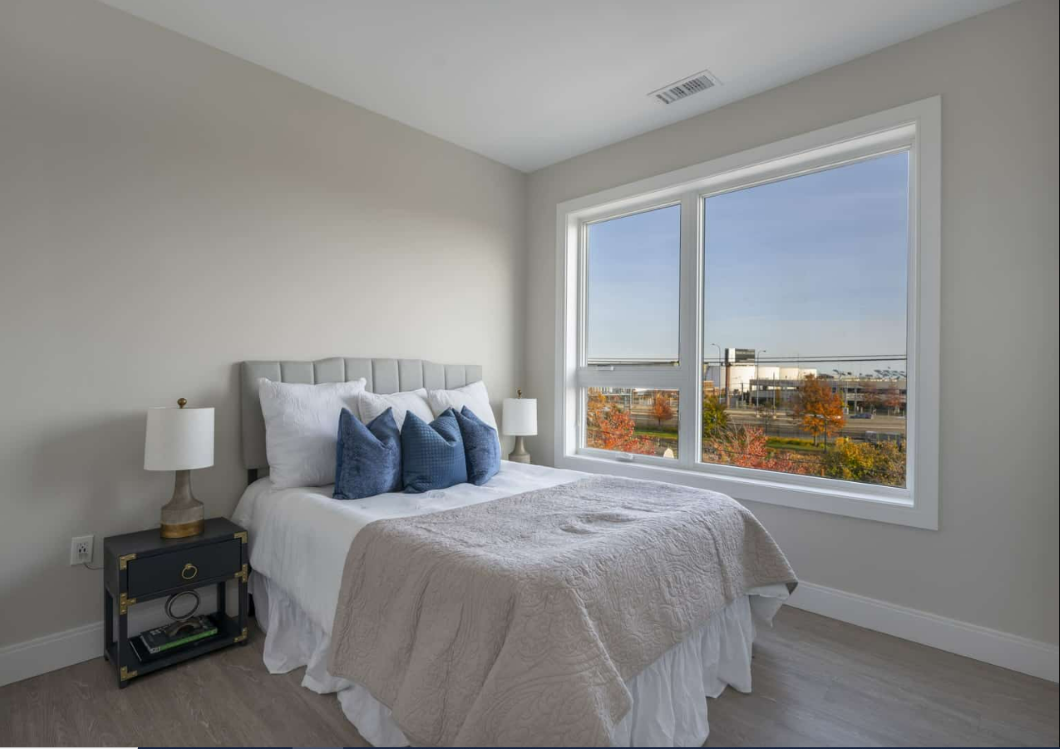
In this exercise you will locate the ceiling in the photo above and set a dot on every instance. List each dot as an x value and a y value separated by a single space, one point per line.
533 82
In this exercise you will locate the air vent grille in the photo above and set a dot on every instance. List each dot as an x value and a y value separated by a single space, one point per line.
682 89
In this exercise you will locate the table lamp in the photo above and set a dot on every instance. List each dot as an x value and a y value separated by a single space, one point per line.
520 419
180 439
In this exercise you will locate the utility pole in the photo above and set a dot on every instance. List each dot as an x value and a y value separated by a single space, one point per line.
758 385
723 360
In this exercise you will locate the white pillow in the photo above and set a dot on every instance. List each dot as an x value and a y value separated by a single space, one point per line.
474 396
373 404
301 428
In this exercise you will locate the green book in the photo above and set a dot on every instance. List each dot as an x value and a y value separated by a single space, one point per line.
159 639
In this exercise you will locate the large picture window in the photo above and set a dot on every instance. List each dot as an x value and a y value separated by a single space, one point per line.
765 324
804 309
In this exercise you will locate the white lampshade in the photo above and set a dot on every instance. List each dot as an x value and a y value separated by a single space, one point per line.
178 439
520 416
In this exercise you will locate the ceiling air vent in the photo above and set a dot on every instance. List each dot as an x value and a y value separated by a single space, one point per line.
686 87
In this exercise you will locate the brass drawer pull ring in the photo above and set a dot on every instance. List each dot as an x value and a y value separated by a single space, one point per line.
189 572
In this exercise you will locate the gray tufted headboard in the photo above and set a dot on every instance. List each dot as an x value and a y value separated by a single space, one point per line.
383 376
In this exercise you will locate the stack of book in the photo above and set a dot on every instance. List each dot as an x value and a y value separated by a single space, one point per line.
161 640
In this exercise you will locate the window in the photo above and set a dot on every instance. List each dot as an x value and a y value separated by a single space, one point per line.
804 299
637 421
633 281
765 324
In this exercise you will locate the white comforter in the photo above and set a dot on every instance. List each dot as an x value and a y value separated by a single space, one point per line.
299 537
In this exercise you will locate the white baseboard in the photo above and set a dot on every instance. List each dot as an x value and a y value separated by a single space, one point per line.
35 657
51 652
988 645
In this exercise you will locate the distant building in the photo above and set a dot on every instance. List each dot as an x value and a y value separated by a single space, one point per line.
740 376
859 394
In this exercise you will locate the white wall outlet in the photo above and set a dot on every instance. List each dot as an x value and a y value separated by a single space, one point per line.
81 550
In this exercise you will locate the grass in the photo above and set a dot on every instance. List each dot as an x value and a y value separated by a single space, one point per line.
655 434
794 444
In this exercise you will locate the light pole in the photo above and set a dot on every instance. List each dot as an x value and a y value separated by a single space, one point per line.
724 380
758 385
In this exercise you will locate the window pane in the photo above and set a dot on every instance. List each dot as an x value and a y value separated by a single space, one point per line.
633 280
632 420
805 324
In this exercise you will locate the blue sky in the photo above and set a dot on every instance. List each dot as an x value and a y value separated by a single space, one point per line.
809 266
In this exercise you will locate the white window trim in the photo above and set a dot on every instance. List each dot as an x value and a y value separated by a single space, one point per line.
915 127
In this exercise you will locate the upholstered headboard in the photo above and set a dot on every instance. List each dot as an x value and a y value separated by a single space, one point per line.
383 376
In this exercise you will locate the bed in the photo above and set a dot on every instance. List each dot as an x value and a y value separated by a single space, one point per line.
301 542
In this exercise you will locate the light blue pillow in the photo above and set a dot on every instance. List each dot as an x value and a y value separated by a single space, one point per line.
368 458
432 455
481 446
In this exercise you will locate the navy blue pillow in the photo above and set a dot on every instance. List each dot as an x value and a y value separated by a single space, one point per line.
368 458
481 446
432 454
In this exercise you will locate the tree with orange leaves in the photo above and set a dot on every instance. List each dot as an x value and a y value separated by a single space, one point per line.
747 447
892 398
661 409
610 427
819 410
870 397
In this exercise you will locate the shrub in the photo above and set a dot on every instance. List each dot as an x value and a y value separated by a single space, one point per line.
715 417
882 463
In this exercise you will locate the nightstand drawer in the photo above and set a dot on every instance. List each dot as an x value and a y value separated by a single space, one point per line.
164 571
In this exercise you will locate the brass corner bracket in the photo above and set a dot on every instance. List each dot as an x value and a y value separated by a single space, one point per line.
242 574
242 535
123 561
241 636
124 602
126 674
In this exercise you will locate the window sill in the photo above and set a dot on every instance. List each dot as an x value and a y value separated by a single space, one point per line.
744 485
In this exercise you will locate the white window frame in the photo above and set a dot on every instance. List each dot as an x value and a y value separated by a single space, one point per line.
915 128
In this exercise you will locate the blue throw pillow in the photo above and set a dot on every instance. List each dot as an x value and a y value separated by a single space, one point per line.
368 458
432 454
481 446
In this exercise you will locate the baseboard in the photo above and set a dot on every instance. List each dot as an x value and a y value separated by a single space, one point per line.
51 652
34 657
988 645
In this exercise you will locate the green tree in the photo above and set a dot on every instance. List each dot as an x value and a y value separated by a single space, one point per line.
715 417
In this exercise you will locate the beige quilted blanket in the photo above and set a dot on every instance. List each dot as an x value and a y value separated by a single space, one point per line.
518 621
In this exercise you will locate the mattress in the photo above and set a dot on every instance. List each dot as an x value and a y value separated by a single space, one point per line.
299 539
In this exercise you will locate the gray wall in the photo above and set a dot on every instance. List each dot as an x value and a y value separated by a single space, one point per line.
167 210
994 561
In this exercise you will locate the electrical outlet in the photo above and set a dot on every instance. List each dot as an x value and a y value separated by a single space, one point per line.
81 550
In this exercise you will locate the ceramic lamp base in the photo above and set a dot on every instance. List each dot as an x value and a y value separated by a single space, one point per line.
183 515
519 454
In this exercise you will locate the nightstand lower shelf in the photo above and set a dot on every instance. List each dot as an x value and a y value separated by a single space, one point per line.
229 632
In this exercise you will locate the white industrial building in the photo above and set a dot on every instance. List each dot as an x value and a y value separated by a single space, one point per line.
740 375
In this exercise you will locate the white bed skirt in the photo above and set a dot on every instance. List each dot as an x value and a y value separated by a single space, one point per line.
668 696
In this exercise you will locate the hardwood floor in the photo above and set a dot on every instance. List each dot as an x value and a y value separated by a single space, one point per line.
816 682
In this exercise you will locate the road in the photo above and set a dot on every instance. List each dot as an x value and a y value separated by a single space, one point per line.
783 425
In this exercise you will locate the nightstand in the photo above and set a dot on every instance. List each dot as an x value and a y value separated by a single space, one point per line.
139 567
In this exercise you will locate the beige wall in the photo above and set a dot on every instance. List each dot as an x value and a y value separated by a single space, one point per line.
167 210
994 561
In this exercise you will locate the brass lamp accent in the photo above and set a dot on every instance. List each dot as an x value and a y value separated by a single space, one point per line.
180 439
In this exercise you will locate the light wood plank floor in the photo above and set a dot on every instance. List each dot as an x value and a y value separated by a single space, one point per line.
816 682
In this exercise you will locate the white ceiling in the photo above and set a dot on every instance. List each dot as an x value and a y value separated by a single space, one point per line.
532 82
